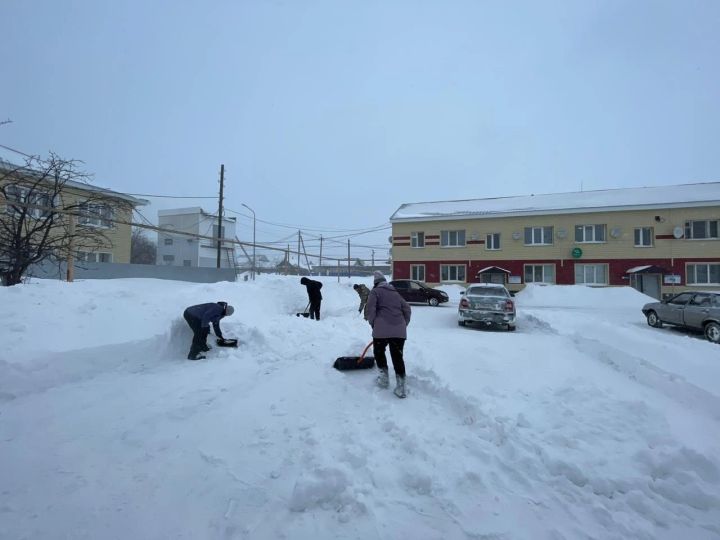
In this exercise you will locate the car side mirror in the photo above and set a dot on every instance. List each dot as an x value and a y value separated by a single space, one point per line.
462 292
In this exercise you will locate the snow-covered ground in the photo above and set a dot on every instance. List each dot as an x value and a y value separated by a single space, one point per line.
585 423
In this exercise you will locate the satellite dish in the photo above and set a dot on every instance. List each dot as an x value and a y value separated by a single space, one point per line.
615 233
562 233
390 239
678 232
516 235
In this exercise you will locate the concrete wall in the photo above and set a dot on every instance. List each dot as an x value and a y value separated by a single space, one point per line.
120 270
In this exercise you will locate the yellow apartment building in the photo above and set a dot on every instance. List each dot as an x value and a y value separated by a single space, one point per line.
660 240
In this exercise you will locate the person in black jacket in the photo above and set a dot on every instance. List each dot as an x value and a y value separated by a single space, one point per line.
314 296
199 318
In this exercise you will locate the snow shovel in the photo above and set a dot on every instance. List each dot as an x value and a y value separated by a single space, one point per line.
222 342
345 363
305 313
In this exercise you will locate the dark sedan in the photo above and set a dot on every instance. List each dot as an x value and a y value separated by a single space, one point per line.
695 310
417 291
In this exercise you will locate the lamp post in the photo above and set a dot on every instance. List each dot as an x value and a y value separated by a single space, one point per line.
253 213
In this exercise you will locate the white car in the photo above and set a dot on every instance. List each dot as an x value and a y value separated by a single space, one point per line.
488 304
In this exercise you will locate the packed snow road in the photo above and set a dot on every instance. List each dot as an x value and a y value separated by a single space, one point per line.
585 423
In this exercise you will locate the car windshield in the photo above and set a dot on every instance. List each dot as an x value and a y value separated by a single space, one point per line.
487 291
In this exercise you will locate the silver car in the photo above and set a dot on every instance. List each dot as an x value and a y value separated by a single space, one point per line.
487 303
695 310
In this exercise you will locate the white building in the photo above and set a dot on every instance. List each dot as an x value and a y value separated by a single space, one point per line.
183 250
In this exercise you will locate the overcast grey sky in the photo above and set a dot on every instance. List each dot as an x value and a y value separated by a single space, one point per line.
330 114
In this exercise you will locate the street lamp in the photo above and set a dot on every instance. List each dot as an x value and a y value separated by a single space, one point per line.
253 213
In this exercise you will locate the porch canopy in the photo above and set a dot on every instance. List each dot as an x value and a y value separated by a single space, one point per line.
492 270
646 269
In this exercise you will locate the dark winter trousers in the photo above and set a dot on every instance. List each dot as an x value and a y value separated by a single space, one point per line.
396 353
200 334
315 309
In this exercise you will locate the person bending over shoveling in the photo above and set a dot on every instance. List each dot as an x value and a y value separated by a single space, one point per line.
314 296
199 318
363 292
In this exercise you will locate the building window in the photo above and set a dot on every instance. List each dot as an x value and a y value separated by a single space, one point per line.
589 233
187 262
452 272
417 272
539 273
95 215
703 229
94 256
23 196
168 241
452 238
492 241
538 236
703 274
591 274
417 239
644 237
215 231
168 258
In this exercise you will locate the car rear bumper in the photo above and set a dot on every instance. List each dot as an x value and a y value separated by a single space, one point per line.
487 317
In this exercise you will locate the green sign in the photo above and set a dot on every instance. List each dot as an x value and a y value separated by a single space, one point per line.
576 253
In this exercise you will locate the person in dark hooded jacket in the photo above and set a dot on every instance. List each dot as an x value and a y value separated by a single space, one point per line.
314 296
389 314
199 318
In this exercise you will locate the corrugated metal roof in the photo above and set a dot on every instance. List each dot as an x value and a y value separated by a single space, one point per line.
700 194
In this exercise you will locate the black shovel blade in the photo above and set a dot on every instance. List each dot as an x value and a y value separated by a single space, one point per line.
345 363
227 342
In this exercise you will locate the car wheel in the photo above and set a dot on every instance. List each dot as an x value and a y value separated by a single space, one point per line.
653 320
461 323
511 327
712 332
433 301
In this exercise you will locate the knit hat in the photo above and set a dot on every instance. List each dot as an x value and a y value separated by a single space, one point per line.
229 310
378 277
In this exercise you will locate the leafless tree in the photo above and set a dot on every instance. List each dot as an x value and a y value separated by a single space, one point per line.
142 249
49 210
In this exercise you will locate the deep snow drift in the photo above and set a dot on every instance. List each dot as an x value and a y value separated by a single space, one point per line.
585 423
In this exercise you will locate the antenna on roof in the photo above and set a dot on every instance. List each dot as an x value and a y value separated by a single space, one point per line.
581 185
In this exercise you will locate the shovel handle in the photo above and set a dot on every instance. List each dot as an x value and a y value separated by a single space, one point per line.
365 350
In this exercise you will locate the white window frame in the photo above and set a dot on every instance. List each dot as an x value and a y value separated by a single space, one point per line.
691 274
417 272
643 232
94 256
588 234
98 215
22 195
690 226
543 233
447 271
591 271
452 238
417 239
544 278
492 241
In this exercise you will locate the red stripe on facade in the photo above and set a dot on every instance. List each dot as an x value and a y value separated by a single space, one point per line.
401 244
476 241
432 243
401 238
664 237
432 236
564 269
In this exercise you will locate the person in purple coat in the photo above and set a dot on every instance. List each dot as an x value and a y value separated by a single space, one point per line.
388 314
199 318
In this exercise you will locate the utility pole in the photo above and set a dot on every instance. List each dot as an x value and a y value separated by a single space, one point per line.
348 258
320 264
373 261
298 253
71 250
220 212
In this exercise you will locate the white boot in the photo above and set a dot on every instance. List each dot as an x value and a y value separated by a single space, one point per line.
400 388
383 381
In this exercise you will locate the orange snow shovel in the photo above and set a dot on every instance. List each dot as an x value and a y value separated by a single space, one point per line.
345 363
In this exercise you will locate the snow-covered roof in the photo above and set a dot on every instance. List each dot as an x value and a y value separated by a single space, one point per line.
487 268
684 195
636 269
